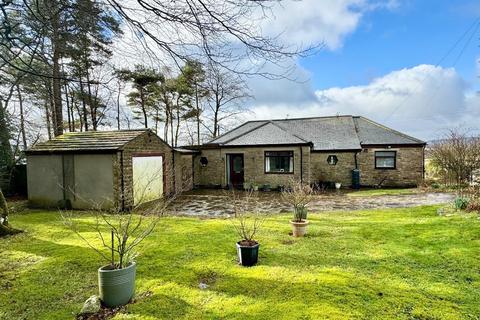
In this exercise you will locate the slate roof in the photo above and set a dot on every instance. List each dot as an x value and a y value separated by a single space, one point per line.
87 141
370 132
323 133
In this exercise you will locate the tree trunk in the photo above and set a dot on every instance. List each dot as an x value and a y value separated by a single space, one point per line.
167 122
215 117
157 115
178 126
69 119
171 126
6 154
118 108
84 105
198 114
22 119
144 111
93 106
5 228
47 118
70 111
4 208
57 92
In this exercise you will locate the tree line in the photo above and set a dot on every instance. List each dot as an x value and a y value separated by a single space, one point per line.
57 75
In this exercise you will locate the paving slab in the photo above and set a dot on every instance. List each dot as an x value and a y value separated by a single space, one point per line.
216 203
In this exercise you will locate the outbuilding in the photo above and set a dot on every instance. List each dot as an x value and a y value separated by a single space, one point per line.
105 169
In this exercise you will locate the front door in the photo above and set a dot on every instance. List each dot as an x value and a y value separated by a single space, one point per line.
236 170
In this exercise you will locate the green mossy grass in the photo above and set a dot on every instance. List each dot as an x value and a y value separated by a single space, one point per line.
376 264
383 192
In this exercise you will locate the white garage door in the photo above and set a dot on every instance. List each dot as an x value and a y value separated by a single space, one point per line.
147 178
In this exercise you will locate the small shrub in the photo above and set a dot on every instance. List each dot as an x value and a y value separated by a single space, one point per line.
474 200
461 203
435 185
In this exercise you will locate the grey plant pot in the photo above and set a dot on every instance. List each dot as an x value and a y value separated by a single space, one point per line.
116 286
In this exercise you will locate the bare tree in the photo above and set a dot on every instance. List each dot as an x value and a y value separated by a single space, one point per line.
226 91
298 195
457 155
121 232
248 217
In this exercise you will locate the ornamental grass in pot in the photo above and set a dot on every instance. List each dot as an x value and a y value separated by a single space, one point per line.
298 195
247 222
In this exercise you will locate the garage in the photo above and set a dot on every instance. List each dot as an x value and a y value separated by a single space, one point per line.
105 169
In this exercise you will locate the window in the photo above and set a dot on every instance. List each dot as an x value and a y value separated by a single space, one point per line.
385 159
279 162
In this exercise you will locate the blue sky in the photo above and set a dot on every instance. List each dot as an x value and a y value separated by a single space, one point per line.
380 61
413 33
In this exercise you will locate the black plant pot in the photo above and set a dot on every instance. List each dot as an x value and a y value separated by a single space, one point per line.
247 255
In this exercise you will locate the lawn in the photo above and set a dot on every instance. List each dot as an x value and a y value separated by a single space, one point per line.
398 263
383 192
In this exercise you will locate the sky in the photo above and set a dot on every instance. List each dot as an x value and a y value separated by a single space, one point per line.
411 65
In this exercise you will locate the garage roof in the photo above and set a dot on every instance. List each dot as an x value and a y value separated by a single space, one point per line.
94 141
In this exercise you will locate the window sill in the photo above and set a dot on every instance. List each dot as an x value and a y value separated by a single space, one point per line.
278 172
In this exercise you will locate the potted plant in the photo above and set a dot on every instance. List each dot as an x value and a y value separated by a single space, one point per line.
246 186
247 222
119 234
116 279
266 187
299 195
338 185
254 186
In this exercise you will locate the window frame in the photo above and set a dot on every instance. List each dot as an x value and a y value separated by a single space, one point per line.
386 157
278 172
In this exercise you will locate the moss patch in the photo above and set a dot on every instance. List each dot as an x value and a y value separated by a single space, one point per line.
383 192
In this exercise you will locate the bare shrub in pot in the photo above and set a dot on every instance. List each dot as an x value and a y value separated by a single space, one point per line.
298 195
120 233
247 222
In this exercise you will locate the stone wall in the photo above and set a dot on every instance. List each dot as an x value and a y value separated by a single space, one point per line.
408 171
183 172
214 173
321 170
147 143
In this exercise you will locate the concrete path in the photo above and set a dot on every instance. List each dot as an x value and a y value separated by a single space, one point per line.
215 202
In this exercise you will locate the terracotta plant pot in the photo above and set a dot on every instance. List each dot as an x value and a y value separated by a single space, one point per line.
299 229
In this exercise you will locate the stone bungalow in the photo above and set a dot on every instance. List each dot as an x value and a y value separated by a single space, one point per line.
312 150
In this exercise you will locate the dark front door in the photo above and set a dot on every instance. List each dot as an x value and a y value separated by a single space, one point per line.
236 170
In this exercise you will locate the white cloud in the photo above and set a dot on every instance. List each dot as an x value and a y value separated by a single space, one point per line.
313 21
422 101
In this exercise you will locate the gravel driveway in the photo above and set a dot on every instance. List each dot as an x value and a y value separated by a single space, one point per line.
214 202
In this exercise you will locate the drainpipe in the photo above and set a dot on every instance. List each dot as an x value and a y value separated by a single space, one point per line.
301 164
356 162
423 162
122 182
193 171
173 171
